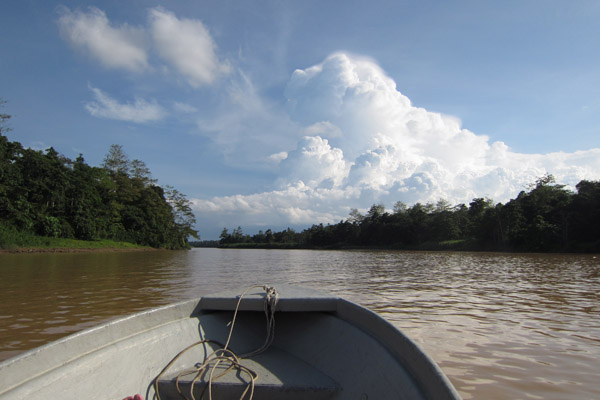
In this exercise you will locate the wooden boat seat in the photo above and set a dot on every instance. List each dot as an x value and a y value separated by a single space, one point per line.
280 376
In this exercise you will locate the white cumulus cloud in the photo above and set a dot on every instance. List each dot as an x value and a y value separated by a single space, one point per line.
186 45
365 142
140 111
314 162
121 47
296 204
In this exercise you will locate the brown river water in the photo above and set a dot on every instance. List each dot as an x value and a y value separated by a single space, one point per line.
501 326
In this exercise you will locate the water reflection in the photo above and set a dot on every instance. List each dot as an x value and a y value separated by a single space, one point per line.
500 326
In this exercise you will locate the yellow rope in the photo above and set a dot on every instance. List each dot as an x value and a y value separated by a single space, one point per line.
224 354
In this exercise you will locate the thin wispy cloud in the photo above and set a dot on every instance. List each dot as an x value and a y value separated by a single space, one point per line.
248 128
138 111
184 108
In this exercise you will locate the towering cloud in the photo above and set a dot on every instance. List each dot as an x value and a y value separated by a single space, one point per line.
364 142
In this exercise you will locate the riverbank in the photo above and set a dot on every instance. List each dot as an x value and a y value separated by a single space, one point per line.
41 244
27 250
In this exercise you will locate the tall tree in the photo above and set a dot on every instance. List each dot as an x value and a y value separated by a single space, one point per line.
182 213
116 160
140 171
3 118
376 211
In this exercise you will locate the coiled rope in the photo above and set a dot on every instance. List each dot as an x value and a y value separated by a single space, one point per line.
226 356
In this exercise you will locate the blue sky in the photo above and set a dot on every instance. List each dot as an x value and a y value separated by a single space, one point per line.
289 113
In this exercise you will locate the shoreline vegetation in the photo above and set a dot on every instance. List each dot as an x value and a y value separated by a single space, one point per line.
449 245
48 201
39 250
547 218
29 243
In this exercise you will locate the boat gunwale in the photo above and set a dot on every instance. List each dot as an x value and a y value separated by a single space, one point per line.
59 357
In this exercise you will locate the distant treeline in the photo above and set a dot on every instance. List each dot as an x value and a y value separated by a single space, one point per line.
205 243
47 194
546 218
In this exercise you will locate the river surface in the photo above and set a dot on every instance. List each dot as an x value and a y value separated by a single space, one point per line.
501 326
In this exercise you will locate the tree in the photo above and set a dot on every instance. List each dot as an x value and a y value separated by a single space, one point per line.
543 216
225 237
10 174
181 207
237 235
116 160
87 213
477 211
376 211
355 216
140 171
444 225
542 181
3 119
183 215
419 217
399 207
585 211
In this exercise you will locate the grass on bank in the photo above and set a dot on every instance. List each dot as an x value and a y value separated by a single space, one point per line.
12 240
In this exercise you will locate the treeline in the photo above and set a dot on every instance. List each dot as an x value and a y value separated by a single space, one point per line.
545 218
47 194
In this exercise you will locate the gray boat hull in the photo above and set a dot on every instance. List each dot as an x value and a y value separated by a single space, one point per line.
324 347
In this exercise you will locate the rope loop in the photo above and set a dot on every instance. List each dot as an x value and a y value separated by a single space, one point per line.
226 356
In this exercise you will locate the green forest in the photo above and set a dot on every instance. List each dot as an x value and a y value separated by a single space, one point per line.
545 218
43 193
